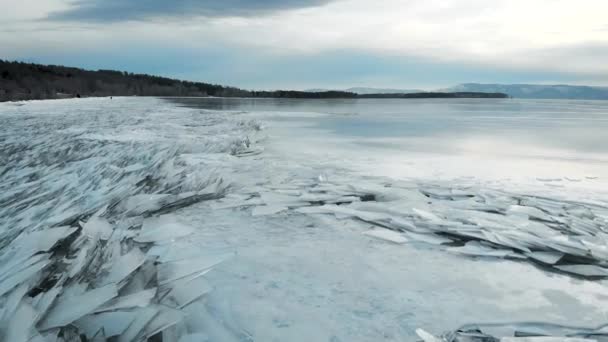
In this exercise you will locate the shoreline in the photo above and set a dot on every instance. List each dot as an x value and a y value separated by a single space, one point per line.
381 96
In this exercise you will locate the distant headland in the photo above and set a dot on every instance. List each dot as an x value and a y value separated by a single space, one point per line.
26 81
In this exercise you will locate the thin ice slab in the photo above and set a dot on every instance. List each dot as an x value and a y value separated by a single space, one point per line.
163 228
112 323
387 235
67 309
584 270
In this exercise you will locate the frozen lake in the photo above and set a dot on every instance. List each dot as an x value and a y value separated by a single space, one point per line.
549 145
346 220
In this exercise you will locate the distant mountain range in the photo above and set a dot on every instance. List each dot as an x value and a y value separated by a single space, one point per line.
522 91
535 91
367 90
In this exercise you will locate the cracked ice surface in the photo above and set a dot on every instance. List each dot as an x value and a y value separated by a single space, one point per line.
129 206
442 250
87 191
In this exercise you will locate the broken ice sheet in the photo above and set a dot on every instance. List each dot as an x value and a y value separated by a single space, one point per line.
268 209
584 270
173 203
135 329
112 323
165 318
345 212
122 266
163 228
275 199
476 248
11 303
235 200
171 271
13 280
387 235
97 227
143 278
546 339
186 291
567 245
597 245
20 327
524 331
65 181
67 309
28 244
86 253
549 258
427 215
530 212
432 239
138 299
44 300
427 337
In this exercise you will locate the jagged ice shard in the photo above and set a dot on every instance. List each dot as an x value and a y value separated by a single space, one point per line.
77 219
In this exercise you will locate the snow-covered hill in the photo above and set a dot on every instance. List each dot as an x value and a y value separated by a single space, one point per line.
368 90
536 91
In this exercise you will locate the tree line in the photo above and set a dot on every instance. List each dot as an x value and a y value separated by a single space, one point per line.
27 81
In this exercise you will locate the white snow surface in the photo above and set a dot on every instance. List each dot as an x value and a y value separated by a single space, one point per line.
237 226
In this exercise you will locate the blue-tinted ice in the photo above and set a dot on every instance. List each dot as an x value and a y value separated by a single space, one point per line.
117 218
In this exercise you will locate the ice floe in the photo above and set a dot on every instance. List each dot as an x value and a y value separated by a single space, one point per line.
387 235
111 288
518 332
477 222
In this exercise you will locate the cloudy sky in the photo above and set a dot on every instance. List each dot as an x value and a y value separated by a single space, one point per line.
318 43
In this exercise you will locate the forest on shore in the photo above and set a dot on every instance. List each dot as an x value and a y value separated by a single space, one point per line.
27 81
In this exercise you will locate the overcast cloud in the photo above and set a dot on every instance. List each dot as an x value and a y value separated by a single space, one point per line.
125 10
265 44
